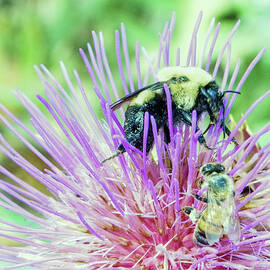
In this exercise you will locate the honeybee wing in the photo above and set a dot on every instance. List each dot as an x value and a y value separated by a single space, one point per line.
222 218
232 225
213 216
118 103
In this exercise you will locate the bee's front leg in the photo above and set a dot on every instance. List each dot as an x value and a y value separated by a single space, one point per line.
206 130
193 213
199 198
226 130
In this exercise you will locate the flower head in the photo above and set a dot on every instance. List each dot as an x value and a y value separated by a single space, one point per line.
126 213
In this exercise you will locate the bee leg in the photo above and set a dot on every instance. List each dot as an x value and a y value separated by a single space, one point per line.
193 213
120 151
187 210
207 128
167 138
199 198
200 183
201 140
186 117
228 132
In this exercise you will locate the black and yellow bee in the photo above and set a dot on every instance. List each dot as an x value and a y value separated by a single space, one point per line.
219 216
191 88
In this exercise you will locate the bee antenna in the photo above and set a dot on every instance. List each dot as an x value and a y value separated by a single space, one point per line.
111 157
223 120
231 91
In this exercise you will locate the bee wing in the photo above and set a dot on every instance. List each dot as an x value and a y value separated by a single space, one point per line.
234 232
232 225
211 237
118 103
213 221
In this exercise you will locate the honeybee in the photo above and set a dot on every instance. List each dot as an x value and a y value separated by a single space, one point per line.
219 216
191 88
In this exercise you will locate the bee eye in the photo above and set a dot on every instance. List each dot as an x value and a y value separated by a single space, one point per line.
183 79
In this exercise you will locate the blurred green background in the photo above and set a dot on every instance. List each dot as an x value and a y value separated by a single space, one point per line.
47 31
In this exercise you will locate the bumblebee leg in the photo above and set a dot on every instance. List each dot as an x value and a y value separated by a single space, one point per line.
182 116
120 151
207 128
202 140
186 117
228 132
199 198
167 138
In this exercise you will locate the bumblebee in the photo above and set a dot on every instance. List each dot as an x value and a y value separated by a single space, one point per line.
191 88
219 216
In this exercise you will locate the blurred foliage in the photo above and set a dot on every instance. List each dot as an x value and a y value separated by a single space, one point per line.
47 31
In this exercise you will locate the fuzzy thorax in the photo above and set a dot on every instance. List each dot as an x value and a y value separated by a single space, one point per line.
184 94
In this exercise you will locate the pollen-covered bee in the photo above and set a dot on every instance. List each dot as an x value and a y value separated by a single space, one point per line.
191 88
219 216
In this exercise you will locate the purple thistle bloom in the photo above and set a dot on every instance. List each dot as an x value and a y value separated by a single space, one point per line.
125 213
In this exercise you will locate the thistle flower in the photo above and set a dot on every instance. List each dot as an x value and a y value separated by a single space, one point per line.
126 213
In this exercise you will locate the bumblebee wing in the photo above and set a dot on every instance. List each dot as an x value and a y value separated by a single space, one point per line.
118 103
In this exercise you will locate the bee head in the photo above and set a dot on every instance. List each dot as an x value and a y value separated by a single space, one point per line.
212 97
212 168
